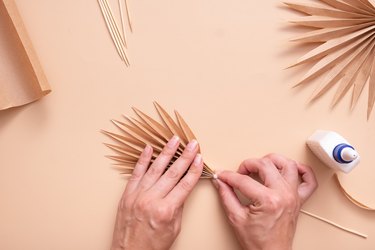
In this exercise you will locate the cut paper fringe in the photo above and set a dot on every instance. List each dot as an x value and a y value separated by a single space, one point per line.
119 40
345 32
143 130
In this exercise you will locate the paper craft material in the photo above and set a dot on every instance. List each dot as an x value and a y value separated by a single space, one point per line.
137 132
344 56
333 150
22 79
119 40
350 198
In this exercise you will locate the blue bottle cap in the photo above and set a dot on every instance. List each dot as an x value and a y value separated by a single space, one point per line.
340 149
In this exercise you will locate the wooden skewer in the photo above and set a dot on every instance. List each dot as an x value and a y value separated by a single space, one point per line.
105 15
113 21
113 33
128 15
116 29
113 30
334 224
122 21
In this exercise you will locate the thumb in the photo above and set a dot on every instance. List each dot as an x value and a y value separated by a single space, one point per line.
228 198
250 188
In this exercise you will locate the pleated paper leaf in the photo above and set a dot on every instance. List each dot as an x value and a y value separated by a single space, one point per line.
345 34
137 132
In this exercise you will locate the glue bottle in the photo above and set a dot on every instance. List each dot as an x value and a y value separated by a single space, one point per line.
333 150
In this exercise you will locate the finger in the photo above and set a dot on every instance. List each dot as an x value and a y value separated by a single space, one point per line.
250 188
172 176
309 183
266 169
139 169
181 191
229 199
288 168
157 168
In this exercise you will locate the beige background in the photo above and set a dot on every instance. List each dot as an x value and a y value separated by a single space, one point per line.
220 63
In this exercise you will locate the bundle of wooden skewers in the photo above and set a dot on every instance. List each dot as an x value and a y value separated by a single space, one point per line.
120 40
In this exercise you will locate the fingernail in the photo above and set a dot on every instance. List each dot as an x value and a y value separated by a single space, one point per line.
198 160
192 145
173 141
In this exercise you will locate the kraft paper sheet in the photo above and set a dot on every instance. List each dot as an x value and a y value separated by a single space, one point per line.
22 79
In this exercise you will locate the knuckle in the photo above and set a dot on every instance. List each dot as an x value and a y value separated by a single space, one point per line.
153 170
195 171
265 161
293 164
143 162
186 185
172 173
164 214
142 205
168 151
187 155
135 176
274 203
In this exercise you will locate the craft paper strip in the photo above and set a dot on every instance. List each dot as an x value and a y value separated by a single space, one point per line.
350 198
137 132
22 79
344 34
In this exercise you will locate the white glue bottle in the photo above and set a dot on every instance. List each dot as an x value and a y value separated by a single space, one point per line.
333 150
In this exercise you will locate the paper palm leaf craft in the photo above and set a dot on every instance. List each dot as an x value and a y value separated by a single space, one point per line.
345 31
142 130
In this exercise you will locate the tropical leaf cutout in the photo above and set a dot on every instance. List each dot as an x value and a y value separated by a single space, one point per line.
345 33
137 132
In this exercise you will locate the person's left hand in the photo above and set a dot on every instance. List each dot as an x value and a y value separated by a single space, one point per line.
150 210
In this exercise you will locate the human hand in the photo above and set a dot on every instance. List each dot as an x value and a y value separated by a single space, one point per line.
150 210
269 221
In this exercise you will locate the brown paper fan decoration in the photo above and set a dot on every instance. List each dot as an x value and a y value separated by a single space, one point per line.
142 130
345 31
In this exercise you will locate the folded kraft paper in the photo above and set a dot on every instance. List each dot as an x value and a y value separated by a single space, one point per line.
22 79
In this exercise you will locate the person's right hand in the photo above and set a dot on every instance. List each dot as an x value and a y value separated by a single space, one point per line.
269 221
